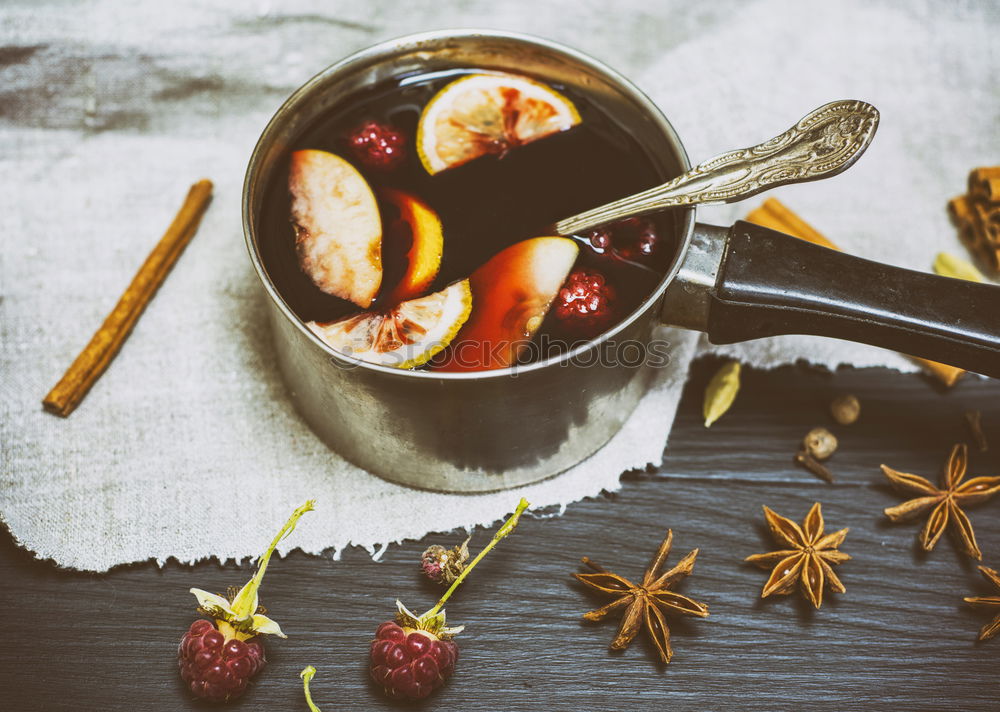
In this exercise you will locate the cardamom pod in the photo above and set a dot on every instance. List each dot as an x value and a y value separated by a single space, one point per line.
950 266
721 392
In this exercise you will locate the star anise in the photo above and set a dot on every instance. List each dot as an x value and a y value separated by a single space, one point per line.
993 627
808 559
647 603
946 501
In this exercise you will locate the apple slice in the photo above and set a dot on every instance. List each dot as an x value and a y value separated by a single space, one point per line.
338 231
423 240
511 294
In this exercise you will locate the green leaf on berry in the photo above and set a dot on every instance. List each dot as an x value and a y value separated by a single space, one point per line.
433 622
246 602
263 624
503 531
242 611
405 617
213 604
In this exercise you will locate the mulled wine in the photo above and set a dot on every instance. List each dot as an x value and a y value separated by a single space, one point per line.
409 226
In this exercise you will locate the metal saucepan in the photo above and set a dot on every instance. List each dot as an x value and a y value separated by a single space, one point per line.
473 432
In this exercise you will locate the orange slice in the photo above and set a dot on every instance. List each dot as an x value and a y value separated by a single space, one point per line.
489 113
426 244
404 336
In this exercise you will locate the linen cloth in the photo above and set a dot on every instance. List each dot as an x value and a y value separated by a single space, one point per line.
188 447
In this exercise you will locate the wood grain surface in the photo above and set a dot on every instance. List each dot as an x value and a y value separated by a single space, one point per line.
900 637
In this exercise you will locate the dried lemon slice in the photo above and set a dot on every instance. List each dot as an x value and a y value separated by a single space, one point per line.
404 336
488 113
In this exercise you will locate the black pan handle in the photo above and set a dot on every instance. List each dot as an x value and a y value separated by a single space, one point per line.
770 283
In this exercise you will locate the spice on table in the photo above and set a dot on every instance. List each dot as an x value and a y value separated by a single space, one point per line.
948 375
820 443
984 185
721 392
66 395
816 467
948 265
415 655
947 501
442 565
307 675
977 215
992 602
775 215
646 604
845 409
975 421
807 559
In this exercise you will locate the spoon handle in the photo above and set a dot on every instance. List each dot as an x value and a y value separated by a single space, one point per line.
823 143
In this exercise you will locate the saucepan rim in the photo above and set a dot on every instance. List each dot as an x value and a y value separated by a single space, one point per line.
414 42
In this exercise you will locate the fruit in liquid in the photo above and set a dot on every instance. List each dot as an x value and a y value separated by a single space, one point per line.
484 205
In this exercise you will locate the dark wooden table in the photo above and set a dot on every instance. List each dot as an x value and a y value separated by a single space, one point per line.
900 638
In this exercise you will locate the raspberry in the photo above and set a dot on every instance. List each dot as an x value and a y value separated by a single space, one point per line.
638 238
600 239
631 238
410 664
415 655
217 658
378 146
586 304
215 668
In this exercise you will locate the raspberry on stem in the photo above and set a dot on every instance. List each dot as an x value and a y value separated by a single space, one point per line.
502 532
442 565
241 614
414 655
217 658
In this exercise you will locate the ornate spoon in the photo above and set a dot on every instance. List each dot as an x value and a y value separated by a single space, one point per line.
822 144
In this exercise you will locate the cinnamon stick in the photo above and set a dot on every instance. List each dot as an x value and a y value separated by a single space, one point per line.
948 375
974 419
984 184
98 354
977 215
775 215
959 210
990 190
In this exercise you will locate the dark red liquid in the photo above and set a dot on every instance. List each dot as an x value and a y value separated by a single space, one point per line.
485 205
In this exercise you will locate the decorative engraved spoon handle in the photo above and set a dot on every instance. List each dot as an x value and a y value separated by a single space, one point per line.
824 143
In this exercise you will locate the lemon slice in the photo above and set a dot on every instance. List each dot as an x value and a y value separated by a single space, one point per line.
488 113
404 336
